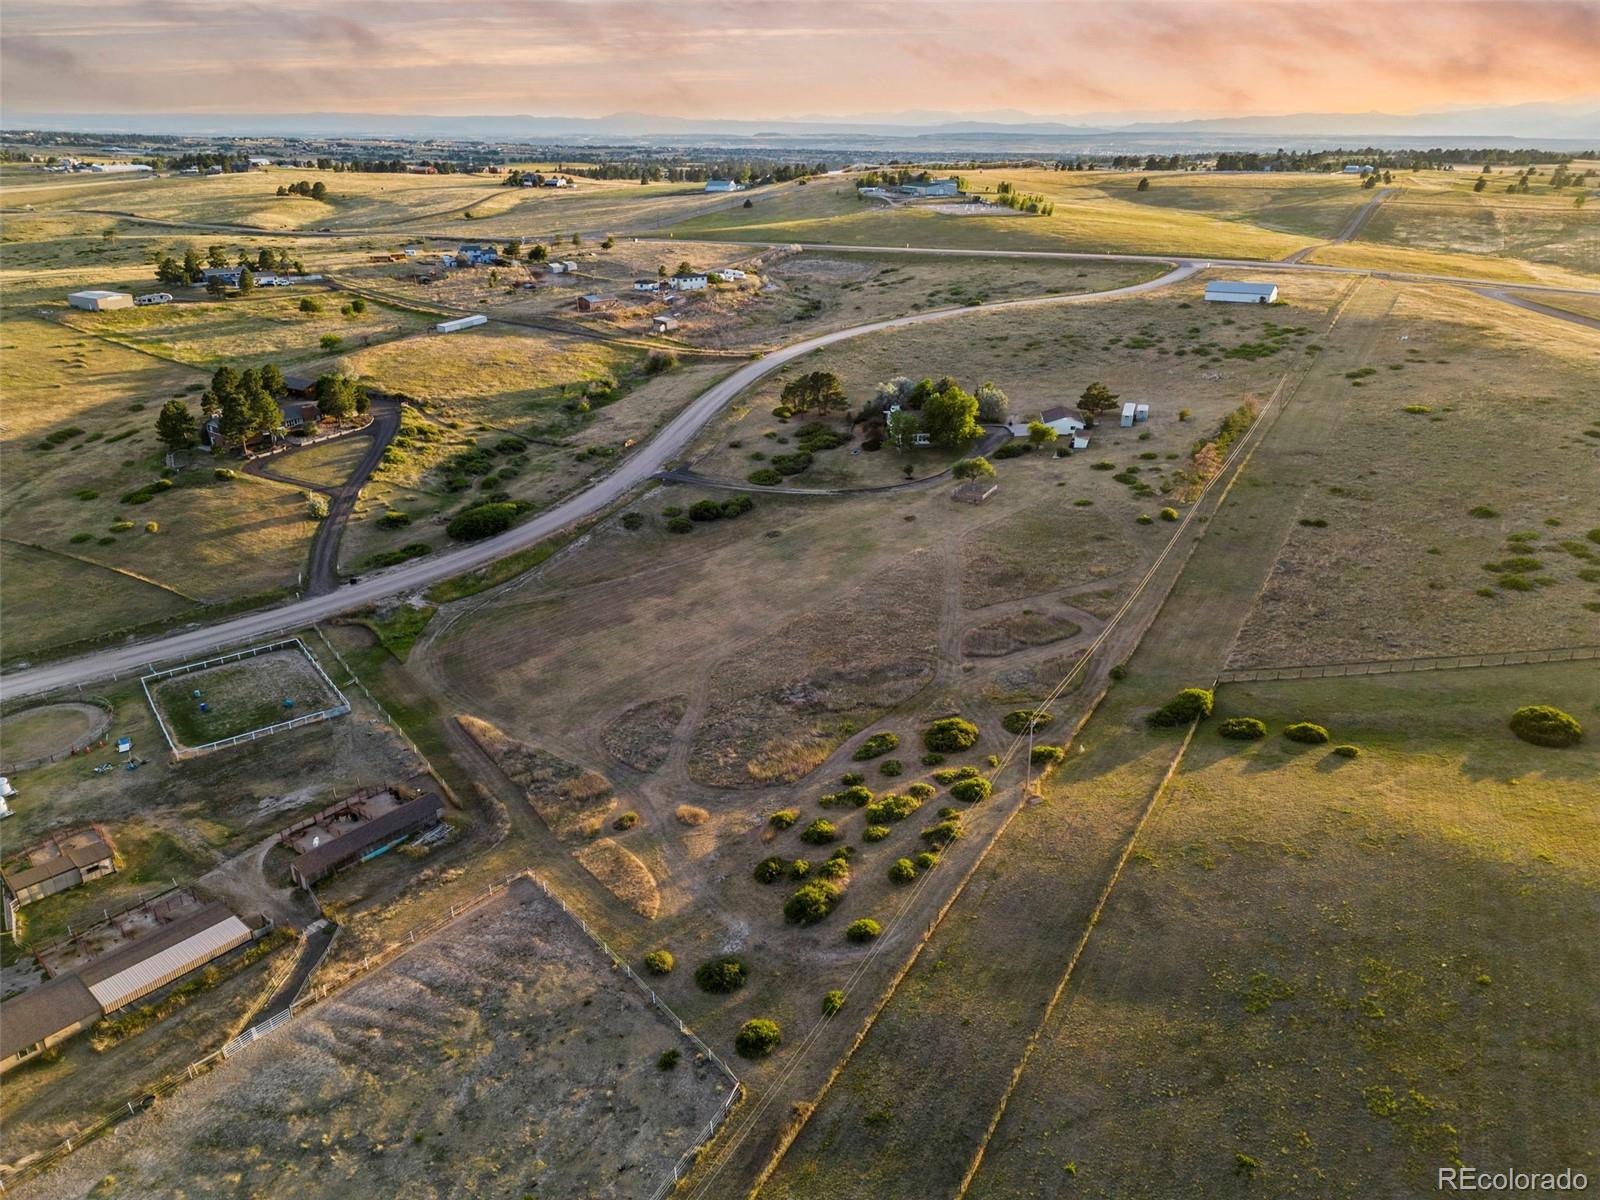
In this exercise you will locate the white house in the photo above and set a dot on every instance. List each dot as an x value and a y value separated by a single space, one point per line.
1062 420
99 301
646 285
1357 169
1080 439
1223 291
728 274
723 185
688 283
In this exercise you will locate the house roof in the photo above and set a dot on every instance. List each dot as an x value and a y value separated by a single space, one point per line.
44 1011
95 294
1060 413
177 948
597 298
109 966
319 860
93 849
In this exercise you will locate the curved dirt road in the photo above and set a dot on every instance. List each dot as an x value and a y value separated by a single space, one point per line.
650 458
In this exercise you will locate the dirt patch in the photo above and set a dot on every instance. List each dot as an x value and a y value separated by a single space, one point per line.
641 737
502 1057
1037 551
38 733
1017 632
779 710
1032 681
569 799
623 874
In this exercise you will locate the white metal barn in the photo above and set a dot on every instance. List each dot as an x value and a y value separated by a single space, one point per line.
461 323
1224 291
98 301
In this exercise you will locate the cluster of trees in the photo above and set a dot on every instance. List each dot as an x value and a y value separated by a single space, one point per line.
191 269
941 409
246 405
817 391
316 191
1372 178
889 177
1031 202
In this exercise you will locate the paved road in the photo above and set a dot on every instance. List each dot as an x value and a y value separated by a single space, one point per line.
648 459
1560 314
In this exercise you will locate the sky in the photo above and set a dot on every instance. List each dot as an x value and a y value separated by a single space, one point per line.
792 58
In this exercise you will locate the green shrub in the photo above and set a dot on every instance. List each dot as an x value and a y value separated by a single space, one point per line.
875 833
835 868
947 777
854 796
926 860
705 510
1047 755
679 525
863 930
1546 726
799 868
151 527
120 526
1191 704
930 759
970 791
666 1061
394 519
737 507
79 538
811 902
851 778
1347 751
1243 729
832 1003
626 821
890 767
770 869
1482 511
903 871
875 746
891 807
790 464
758 1038
819 833
1022 720
783 818
950 735
942 834
659 962
1145 519
919 790
1102 465
484 520
633 520
1014 449
721 975
764 477
1308 732
1169 514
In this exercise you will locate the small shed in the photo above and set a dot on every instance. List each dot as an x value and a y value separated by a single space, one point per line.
100 301
1130 413
663 324
1225 291
593 301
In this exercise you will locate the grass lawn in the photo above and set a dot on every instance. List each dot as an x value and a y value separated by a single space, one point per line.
327 465
1349 971
240 696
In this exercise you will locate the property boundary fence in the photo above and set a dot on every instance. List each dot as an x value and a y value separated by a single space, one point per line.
78 744
370 963
249 735
1394 666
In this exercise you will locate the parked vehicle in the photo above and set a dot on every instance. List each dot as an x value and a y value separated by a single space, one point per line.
154 298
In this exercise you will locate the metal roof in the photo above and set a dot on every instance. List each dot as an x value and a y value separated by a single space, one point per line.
221 931
95 294
1239 288
43 1012
317 862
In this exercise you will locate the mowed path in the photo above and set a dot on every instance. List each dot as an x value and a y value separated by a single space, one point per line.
992 980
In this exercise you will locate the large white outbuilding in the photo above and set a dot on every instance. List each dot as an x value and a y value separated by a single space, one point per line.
461 323
98 301
1226 291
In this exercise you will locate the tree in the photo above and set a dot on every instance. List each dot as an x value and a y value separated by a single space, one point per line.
1144 186
272 379
902 428
577 239
1480 185
216 256
608 243
514 248
1096 399
319 190
192 271
950 418
169 271
175 425
282 191
817 391
538 253
263 414
685 268
247 281
973 468
993 404
336 396
264 259
1040 434
216 287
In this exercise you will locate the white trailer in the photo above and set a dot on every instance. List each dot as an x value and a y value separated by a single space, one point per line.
1129 413
1141 413
461 323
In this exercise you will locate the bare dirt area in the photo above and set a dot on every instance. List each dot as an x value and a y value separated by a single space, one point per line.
502 1054
1006 635
1461 488
46 729
641 737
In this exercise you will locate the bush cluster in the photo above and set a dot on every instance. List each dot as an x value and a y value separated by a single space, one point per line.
875 833
920 790
891 807
1023 720
941 835
903 871
758 1038
721 975
863 930
659 962
1307 732
764 477
891 767
1191 704
1243 729
783 818
875 746
832 1002
1047 755
951 735
1546 726
819 833
1347 751
770 869
949 776
854 796
717 510
970 791
810 903
485 520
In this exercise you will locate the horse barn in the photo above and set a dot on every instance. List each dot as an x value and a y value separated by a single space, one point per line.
1225 291
356 829
54 1011
63 860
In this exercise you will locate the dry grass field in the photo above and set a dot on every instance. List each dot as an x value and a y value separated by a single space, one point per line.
502 1056
1386 977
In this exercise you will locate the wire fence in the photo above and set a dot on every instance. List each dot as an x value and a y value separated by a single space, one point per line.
1394 666
309 997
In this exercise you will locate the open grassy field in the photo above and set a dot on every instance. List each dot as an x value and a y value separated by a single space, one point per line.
1458 484
327 465
479 1027
1351 972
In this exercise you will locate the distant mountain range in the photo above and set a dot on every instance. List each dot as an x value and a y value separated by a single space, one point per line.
1562 126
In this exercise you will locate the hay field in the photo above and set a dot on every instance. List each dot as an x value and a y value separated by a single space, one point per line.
1349 971
502 1053
1399 565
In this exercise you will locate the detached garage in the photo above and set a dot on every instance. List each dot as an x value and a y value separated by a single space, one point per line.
97 301
1226 292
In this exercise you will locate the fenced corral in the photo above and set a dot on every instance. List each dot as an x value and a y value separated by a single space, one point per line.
97 732
1394 666
181 749
311 996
